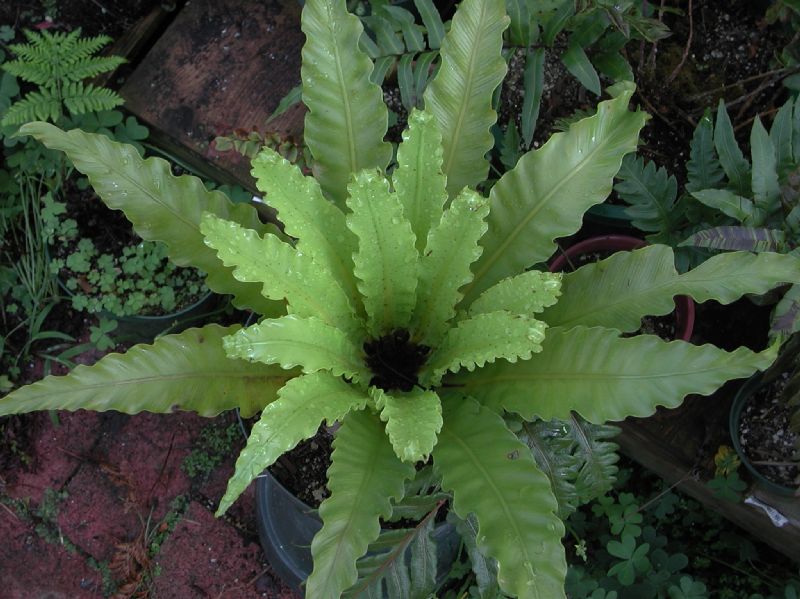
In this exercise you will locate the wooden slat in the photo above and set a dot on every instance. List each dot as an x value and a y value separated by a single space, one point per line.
219 66
674 443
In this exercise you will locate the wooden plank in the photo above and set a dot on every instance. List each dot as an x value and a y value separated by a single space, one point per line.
219 66
679 445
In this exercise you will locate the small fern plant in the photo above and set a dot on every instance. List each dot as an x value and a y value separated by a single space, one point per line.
401 302
58 63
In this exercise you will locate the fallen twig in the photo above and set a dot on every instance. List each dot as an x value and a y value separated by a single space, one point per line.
685 54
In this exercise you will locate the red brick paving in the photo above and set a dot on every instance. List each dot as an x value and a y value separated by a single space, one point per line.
119 471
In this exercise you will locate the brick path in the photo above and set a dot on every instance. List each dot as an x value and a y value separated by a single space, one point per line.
106 495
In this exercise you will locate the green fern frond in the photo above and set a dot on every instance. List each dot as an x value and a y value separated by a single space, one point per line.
93 67
80 99
36 106
58 63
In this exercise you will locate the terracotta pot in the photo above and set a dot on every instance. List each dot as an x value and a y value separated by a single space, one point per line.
684 306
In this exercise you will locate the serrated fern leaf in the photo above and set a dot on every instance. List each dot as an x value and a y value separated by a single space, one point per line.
484 568
445 267
302 405
544 196
460 95
608 378
651 193
93 67
307 216
80 99
552 451
526 293
703 170
34 106
188 371
597 456
491 474
418 178
285 272
413 420
292 341
733 162
400 563
739 238
386 260
364 476
346 118
160 206
484 338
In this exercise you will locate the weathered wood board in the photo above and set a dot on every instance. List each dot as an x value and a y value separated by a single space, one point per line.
679 445
221 65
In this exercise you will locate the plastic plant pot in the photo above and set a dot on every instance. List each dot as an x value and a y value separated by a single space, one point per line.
142 329
286 527
747 391
138 328
684 306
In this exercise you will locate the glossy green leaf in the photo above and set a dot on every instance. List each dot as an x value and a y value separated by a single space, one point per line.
283 271
782 133
652 193
460 96
545 196
307 216
520 29
786 315
703 169
602 377
533 81
432 21
346 118
752 239
444 268
527 293
766 191
491 474
618 291
160 206
188 371
365 475
292 341
386 260
484 338
579 65
730 204
413 420
731 158
302 405
418 178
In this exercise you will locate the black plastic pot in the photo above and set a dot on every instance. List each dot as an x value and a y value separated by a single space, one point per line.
143 329
684 306
748 390
286 527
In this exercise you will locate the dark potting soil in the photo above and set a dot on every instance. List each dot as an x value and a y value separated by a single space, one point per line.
303 470
739 324
765 436
94 17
